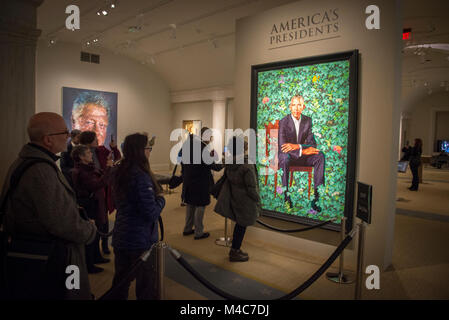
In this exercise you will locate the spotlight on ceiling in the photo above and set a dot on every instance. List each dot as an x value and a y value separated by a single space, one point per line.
51 42
112 5
98 13
213 42
104 12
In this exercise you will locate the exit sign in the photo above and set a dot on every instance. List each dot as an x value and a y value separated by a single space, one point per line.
406 33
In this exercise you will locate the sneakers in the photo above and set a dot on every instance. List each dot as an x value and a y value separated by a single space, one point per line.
238 255
203 236
188 233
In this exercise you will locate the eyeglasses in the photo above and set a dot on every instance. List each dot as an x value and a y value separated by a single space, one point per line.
148 148
58 133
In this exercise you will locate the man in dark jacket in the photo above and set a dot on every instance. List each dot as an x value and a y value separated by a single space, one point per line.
66 162
198 181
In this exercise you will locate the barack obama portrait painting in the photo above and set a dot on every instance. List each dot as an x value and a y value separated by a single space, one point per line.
305 115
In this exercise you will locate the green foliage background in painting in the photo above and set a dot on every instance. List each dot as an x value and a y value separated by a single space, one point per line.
325 88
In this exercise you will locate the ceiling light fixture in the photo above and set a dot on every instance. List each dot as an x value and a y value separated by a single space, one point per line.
104 12
213 42
173 31
51 42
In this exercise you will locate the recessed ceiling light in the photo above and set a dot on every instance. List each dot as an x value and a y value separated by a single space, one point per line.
98 13
104 12
113 6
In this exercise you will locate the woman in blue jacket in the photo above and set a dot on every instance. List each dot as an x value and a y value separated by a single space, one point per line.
139 202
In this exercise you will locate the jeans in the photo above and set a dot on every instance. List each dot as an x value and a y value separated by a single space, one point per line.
415 180
237 237
194 216
145 275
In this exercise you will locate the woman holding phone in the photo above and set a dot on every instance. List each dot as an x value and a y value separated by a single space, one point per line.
101 156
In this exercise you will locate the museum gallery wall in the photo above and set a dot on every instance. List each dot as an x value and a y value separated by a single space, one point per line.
308 29
143 99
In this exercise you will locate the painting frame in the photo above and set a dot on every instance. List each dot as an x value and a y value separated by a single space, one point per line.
352 57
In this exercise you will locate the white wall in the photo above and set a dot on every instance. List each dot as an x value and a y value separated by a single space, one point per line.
143 98
201 110
379 90
422 119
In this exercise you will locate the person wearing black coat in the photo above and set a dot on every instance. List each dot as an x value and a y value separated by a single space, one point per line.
66 162
415 162
198 181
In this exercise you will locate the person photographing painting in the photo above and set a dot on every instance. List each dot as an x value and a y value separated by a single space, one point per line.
297 147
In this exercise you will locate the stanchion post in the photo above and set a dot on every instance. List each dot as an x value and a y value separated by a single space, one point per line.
361 246
160 261
224 241
340 277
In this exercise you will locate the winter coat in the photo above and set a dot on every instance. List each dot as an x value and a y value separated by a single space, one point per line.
102 155
66 163
138 210
239 198
415 157
44 206
198 180
87 181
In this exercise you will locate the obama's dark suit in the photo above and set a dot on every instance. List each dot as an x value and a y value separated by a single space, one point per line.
305 137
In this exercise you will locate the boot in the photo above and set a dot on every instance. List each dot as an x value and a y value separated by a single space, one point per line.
104 246
236 255
287 200
316 202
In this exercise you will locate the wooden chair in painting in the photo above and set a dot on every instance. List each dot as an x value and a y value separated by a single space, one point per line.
271 133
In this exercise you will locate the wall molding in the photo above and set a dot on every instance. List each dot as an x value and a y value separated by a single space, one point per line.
218 93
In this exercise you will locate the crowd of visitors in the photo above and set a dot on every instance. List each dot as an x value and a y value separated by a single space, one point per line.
54 218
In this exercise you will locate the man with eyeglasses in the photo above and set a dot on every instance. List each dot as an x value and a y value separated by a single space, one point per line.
42 209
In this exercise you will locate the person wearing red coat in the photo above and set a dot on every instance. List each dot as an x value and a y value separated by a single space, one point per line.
101 156
89 184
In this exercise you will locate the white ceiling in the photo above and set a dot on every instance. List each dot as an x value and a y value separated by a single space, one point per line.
197 51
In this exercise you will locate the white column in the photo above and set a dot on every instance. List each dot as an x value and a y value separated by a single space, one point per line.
18 37
219 122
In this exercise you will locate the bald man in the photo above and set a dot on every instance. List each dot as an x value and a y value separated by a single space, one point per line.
43 209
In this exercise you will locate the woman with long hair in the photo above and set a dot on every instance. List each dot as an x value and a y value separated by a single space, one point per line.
139 201
415 161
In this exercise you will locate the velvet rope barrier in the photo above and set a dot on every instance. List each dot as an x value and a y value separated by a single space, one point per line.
131 273
288 296
295 230
136 265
